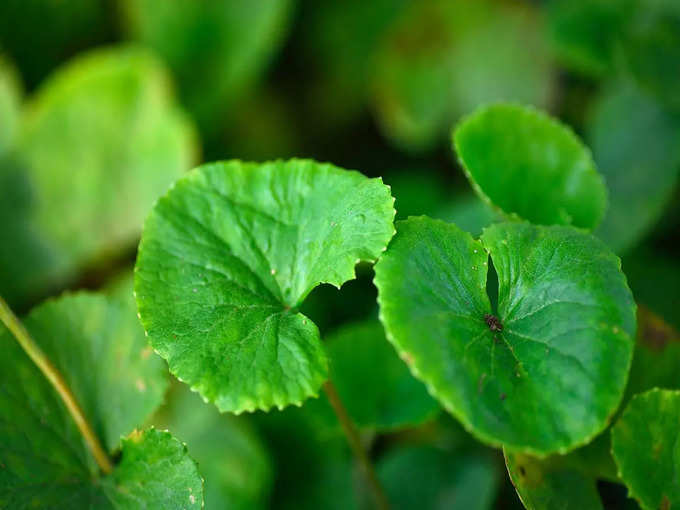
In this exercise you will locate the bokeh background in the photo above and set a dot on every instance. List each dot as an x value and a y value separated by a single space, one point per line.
104 103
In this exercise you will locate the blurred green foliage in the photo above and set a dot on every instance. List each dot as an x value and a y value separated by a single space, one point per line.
104 103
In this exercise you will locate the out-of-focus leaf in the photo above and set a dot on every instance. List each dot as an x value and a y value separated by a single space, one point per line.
99 142
543 485
655 281
585 33
651 48
100 350
216 49
230 253
636 145
425 477
341 38
646 448
313 470
40 34
10 104
231 456
547 373
447 57
530 165
374 384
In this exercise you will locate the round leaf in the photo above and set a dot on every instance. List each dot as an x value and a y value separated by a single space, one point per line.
646 448
545 372
529 165
227 256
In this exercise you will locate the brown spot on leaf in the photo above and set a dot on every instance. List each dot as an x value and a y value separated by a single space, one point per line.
653 332
493 322
665 503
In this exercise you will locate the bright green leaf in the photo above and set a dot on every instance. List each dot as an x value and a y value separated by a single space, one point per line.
99 349
646 448
236 467
373 383
550 379
216 49
636 144
230 253
424 477
530 165
542 485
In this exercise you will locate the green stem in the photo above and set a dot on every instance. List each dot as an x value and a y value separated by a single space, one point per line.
56 380
357 447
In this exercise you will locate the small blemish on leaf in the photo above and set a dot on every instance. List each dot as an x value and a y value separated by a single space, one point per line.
503 396
146 352
141 385
273 271
480 383
522 471
493 322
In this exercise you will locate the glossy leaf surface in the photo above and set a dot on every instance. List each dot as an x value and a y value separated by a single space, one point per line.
529 165
546 371
227 256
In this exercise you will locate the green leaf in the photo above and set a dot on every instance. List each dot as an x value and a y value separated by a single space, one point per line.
233 460
230 253
155 471
425 477
100 351
542 485
428 70
10 103
373 383
585 33
547 382
105 121
529 165
636 143
646 448
224 44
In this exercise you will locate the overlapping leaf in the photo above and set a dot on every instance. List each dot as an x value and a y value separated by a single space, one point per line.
100 351
227 256
529 165
546 371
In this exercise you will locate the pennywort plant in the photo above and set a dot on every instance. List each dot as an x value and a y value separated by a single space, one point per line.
526 335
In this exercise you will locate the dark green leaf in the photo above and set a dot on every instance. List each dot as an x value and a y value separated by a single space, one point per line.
227 256
542 485
99 348
424 477
216 49
646 448
636 144
530 165
373 383
545 374
231 456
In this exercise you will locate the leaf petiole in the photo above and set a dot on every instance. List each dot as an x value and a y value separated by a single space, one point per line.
355 444
56 380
